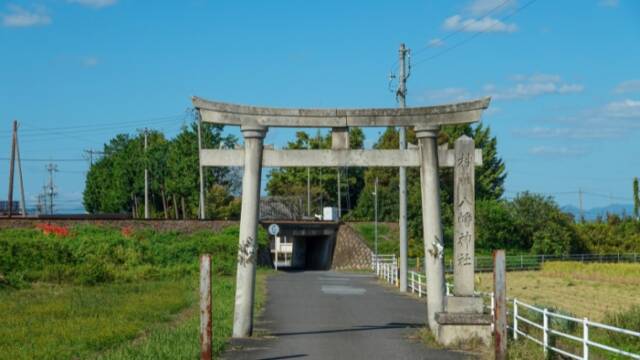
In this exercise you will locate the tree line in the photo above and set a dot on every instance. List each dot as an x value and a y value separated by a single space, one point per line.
115 182
527 223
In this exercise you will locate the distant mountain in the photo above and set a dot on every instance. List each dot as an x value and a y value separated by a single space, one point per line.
593 213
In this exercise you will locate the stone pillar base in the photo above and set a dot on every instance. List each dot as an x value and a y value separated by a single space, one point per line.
456 328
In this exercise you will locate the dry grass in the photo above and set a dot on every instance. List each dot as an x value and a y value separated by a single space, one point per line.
586 290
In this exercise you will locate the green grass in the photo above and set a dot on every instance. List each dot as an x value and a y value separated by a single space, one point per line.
180 341
112 294
92 255
66 321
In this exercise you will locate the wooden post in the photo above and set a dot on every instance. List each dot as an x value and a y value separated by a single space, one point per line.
500 306
11 165
206 330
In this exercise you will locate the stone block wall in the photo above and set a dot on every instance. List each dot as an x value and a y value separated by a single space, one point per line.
350 252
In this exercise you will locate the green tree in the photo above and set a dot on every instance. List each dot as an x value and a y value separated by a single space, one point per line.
324 181
541 226
115 183
489 180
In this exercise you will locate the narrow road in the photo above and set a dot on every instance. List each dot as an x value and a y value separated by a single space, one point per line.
333 315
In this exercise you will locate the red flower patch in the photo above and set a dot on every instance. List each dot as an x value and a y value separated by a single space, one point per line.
53 229
127 231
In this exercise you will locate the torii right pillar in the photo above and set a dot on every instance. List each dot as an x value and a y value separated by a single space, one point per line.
463 317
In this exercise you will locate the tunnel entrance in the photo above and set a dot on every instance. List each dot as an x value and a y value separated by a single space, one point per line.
303 245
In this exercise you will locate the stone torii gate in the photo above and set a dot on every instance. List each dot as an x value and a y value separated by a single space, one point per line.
254 123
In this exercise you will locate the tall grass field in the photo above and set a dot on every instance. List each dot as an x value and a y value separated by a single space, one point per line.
108 293
606 293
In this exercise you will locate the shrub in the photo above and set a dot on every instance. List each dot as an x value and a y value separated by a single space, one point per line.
92 255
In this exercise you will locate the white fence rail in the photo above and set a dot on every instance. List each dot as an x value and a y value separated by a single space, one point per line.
547 331
386 267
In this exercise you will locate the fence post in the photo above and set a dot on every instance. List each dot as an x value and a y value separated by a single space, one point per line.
585 339
515 319
419 287
206 330
499 305
545 330
521 263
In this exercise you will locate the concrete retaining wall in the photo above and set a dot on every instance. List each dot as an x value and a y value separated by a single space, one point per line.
350 250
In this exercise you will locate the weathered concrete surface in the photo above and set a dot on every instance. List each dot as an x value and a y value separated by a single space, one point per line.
329 158
247 247
232 114
432 223
459 327
463 304
350 251
329 315
464 200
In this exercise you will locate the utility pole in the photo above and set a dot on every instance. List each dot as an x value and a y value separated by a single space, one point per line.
581 205
23 204
339 197
11 164
89 155
202 204
146 178
308 192
375 220
50 189
401 97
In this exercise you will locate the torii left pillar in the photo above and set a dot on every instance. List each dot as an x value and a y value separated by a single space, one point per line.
247 249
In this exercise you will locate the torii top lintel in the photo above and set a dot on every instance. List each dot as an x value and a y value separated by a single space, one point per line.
232 114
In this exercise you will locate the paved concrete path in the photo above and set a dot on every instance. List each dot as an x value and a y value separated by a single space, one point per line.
332 315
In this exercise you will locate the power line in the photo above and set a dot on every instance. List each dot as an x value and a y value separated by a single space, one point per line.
31 130
464 27
466 40
46 160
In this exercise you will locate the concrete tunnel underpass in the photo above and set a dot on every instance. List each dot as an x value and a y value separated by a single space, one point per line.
303 245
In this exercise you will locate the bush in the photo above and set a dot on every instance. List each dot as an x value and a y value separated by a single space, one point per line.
90 255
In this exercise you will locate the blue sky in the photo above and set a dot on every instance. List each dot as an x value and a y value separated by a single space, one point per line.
564 76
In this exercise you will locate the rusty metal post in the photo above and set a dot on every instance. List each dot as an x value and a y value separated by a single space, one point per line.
500 299
206 331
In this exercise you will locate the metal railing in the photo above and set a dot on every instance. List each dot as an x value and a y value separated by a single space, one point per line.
535 262
386 268
547 331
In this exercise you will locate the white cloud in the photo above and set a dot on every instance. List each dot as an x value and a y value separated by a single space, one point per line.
18 16
527 87
613 120
94 3
482 7
628 109
436 42
628 86
486 24
90 61
609 3
556 151
569 133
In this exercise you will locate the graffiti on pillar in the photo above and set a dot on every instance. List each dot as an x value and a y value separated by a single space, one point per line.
437 250
247 251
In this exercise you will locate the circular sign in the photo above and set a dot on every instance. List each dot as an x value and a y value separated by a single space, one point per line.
274 229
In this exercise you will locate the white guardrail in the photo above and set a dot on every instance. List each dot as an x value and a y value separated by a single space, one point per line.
386 267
